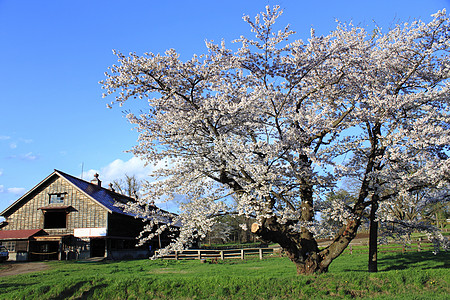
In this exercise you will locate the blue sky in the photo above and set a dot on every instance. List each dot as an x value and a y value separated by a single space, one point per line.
54 53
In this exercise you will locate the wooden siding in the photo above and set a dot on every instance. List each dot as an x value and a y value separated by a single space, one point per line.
86 213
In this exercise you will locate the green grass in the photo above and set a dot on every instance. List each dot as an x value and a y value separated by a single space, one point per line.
409 276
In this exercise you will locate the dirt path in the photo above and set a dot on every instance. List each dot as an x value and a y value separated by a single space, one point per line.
8 269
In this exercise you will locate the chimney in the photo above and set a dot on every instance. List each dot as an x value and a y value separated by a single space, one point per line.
96 181
111 187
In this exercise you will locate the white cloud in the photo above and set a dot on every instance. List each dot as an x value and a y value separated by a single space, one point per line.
16 191
4 137
30 156
26 141
13 145
134 166
1 172
118 168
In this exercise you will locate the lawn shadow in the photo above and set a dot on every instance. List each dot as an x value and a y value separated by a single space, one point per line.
397 261
420 260
70 291
14 285
89 293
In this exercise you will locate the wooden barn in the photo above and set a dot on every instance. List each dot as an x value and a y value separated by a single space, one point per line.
64 217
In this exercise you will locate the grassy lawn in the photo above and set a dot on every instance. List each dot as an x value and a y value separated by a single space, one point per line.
402 276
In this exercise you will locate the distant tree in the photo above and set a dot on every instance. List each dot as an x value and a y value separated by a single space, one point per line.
271 123
129 186
438 213
240 228
414 211
219 233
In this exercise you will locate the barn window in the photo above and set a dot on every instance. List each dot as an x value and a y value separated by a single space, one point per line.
55 219
57 198
11 246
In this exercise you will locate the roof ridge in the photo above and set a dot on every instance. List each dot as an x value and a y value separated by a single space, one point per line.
100 187
66 174
104 196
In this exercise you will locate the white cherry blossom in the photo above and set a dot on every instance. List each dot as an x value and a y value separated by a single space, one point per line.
266 129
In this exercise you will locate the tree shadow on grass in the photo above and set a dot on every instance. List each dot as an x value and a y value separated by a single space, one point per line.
89 293
399 261
419 260
70 291
14 285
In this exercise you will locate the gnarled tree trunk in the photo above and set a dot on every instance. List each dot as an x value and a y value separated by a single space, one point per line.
301 247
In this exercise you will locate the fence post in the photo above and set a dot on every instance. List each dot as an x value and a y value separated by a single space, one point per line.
403 249
176 255
242 254
199 252
351 249
418 245
260 253
221 255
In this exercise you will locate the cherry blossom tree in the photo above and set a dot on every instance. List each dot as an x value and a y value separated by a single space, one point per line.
264 130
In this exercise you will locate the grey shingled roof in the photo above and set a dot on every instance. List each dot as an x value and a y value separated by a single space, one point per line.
104 196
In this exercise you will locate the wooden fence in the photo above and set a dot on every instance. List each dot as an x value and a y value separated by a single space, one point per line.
223 254
414 246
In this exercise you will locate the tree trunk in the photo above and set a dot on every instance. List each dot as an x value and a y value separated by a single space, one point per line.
306 258
301 248
373 236
304 251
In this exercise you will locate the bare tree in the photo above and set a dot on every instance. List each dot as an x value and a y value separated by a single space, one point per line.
129 186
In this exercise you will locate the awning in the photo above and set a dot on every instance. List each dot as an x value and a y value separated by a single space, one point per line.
56 208
19 234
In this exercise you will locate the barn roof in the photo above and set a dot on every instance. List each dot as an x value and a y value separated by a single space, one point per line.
107 198
104 197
